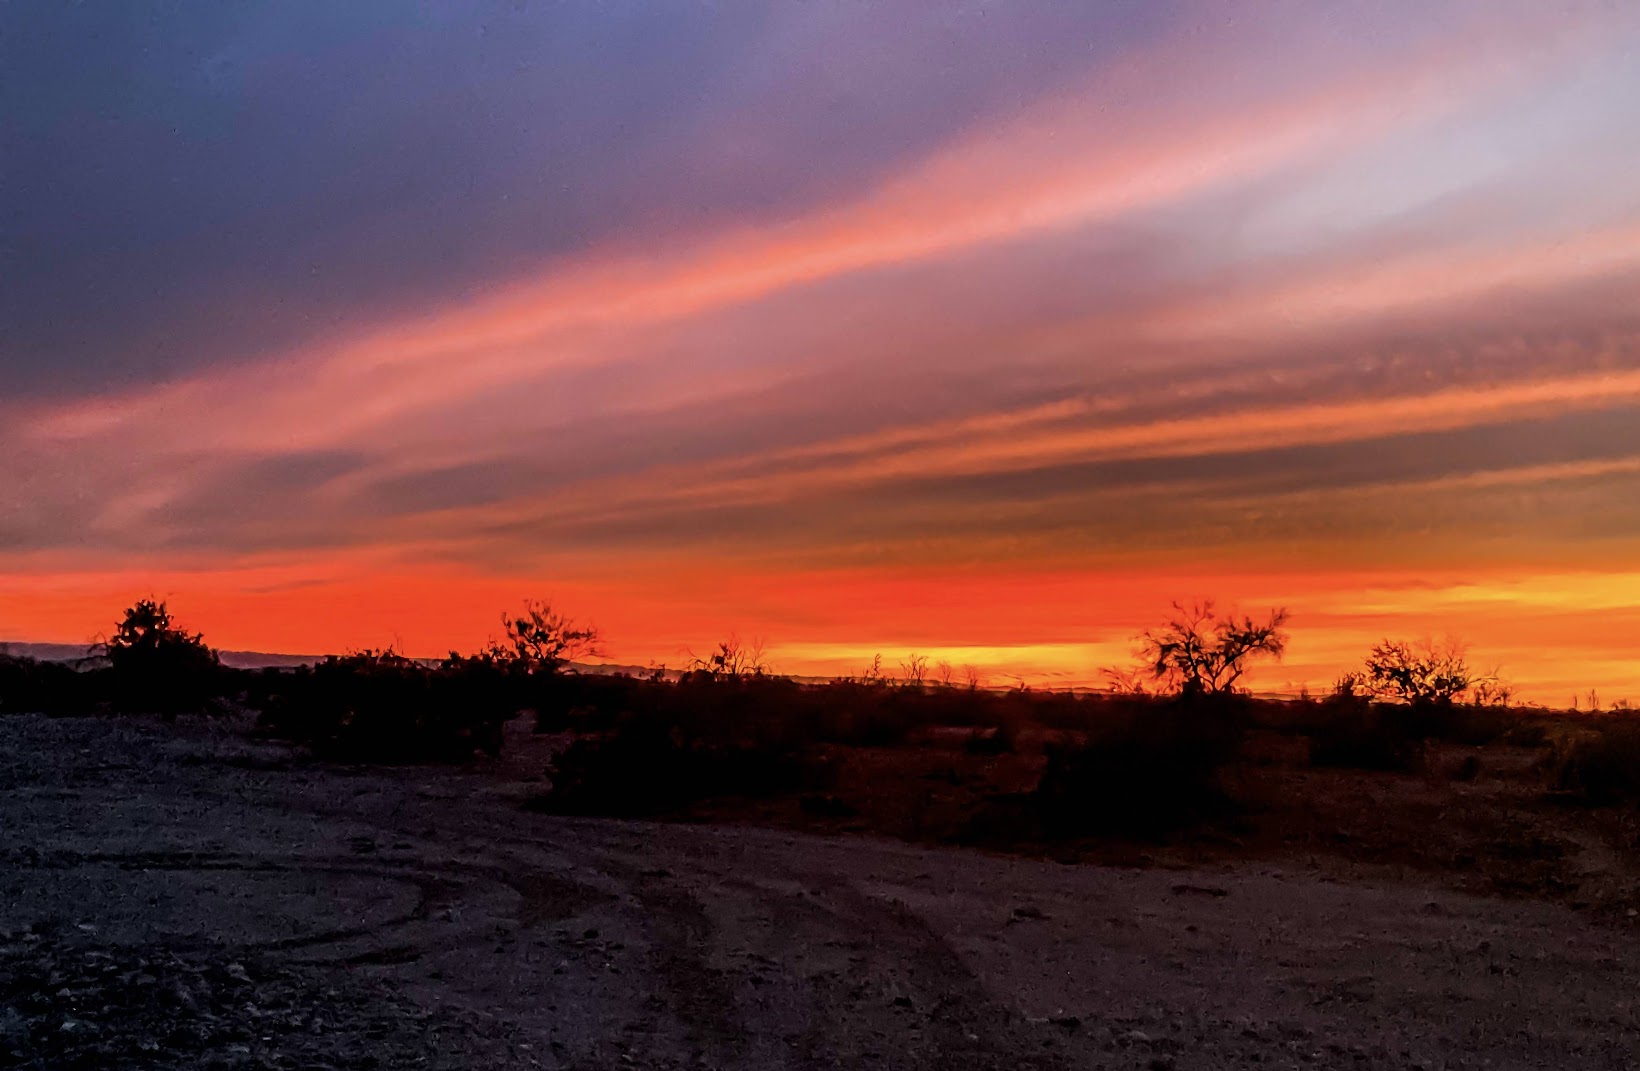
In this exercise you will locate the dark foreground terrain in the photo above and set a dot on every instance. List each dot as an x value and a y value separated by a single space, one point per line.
185 897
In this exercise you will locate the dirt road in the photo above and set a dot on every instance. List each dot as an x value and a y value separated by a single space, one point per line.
185 898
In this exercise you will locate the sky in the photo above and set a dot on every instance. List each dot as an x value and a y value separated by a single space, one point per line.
982 330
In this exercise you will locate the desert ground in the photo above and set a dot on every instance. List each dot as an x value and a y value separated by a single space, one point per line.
191 896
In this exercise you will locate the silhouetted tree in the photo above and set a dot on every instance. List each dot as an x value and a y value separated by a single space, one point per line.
541 639
1124 680
734 659
1353 685
873 674
157 666
1200 652
1420 673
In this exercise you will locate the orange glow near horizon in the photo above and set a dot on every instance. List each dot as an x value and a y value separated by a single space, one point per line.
1555 636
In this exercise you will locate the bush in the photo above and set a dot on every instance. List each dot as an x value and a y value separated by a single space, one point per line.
1001 740
715 706
1352 730
1355 733
645 770
379 706
1602 767
30 686
658 745
1532 734
1419 673
1472 724
1150 767
157 667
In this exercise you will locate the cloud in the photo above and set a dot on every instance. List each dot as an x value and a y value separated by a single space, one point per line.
184 190
570 291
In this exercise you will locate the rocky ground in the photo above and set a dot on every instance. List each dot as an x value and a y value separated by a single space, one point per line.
185 897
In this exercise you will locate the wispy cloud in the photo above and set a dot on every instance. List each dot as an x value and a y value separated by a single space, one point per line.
1317 288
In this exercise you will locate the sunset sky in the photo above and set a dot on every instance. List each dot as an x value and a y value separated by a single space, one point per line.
982 330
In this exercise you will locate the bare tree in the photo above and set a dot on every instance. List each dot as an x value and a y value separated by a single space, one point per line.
972 678
914 670
541 639
1422 672
873 674
1126 681
943 673
1352 685
1201 652
734 659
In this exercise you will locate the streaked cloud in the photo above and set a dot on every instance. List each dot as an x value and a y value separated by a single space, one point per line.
557 299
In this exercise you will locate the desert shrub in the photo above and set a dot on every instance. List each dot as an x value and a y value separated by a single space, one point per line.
1001 740
1430 675
938 705
865 714
1299 716
31 686
1601 767
1065 711
1421 673
663 744
709 705
157 667
591 702
379 706
1146 768
648 768
1355 733
1526 734
1472 724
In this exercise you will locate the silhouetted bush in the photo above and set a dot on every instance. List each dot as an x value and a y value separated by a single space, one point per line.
650 744
1355 733
1001 740
1526 734
1601 767
31 686
379 706
673 743
1425 673
868 713
1471 724
715 706
157 667
661 744
1064 711
1149 767
646 769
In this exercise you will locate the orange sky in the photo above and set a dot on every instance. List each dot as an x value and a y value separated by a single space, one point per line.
983 340
1572 632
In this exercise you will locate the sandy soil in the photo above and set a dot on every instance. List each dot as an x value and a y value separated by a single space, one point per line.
188 898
